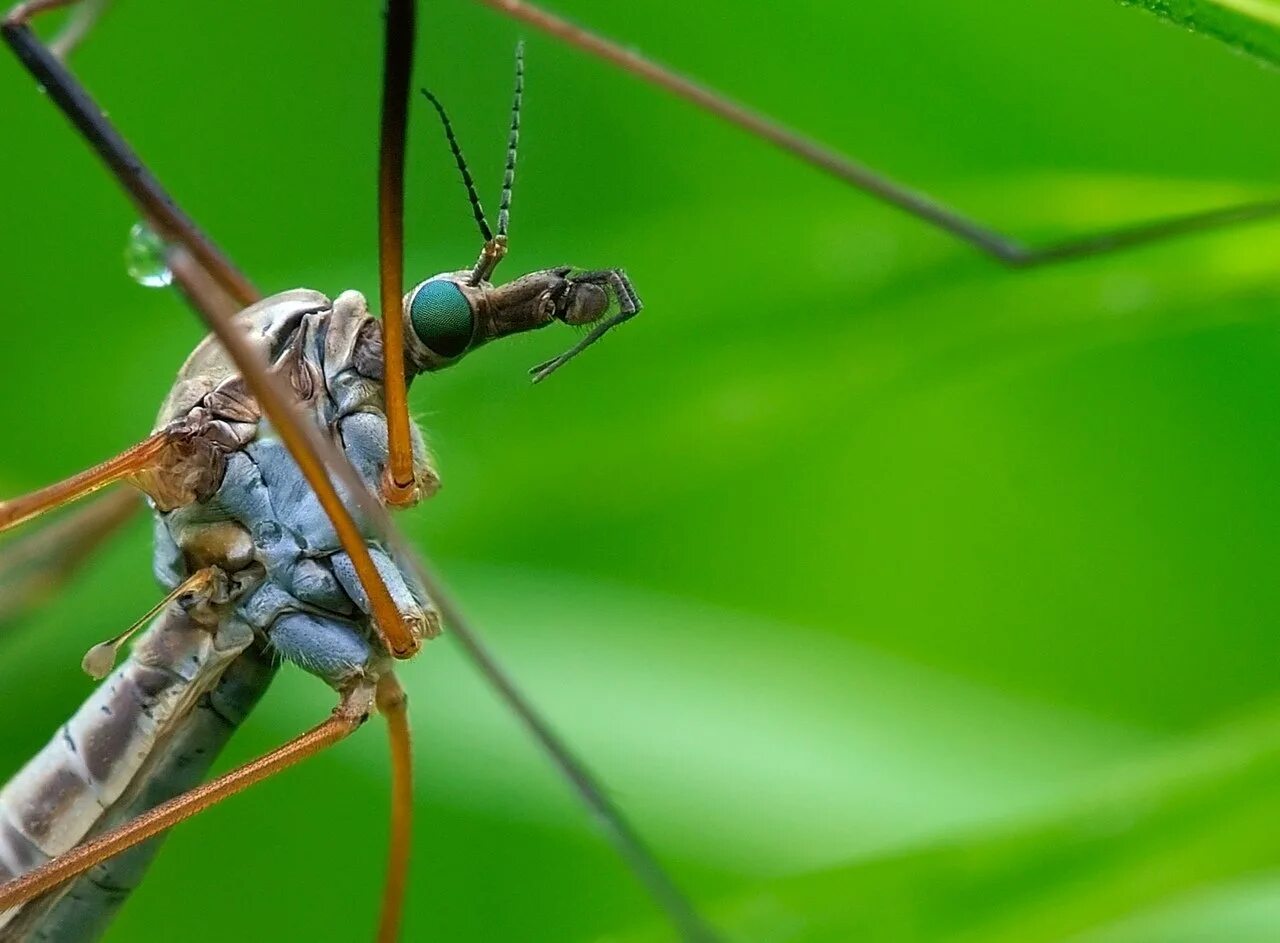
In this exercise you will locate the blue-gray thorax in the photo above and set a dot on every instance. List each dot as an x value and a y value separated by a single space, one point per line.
263 524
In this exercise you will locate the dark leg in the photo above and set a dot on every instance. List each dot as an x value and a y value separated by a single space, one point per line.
678 909
1006 249
399 487
307 448
214 273
150 198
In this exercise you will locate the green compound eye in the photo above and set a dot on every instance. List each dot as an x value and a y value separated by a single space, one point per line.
441 317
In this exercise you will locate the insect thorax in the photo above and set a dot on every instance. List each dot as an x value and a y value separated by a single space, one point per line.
244 506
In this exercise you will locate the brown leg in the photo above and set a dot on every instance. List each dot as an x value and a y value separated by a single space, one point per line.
303 441
144 457
1006 249
349 714
393 705
399 485
307 449
145 190
202 291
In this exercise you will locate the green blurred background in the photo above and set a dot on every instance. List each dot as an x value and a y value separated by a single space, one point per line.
895 595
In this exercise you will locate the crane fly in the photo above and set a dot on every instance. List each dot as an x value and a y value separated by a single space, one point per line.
277 454
328 584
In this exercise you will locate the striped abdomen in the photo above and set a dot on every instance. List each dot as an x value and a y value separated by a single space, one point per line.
110 753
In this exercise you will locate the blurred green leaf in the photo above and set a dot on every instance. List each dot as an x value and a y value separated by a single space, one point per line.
854 555
1160 842
1252 26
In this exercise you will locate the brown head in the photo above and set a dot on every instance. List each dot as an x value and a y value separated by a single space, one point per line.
453 313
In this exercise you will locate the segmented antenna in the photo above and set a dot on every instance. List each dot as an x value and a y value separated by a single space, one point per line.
476 208
513 140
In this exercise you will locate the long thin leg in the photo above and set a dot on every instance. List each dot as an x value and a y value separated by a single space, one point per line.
150 198
1007 249
678 909
143 457
632 849
300 437
201 290
398 488
349 715
393 705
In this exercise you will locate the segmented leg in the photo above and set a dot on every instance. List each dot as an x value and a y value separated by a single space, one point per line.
1006 249
346 718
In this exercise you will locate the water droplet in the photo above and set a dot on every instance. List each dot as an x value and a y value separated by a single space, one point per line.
266 533
144 257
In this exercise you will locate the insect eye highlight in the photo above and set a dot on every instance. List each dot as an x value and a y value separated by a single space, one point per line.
441 317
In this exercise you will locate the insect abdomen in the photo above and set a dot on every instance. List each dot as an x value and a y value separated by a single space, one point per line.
67 788
86 908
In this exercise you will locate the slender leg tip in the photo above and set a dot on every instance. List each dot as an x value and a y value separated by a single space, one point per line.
406 649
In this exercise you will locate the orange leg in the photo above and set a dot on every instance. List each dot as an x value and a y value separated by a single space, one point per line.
393 705
398 485
307 447
346 717
143 457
